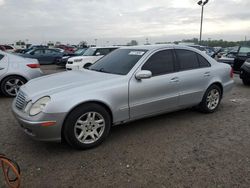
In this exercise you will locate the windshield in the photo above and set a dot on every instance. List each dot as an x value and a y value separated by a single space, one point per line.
89 52
80 51
120 61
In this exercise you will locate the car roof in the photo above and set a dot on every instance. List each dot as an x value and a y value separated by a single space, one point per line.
108 47
158 47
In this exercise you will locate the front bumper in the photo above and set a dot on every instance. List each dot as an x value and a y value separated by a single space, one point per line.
34 125
72 67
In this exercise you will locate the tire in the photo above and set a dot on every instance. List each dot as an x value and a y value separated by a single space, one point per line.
90 133
87 65
211 99
11 84
246 82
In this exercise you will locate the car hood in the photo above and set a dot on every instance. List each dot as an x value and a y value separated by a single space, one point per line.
65 81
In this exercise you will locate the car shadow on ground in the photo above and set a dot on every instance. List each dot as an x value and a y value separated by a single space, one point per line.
119 132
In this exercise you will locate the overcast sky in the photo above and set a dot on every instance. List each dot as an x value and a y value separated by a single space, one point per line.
119 21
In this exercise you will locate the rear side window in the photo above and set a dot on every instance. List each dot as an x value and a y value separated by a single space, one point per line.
187 59
160 63
203 62
1 57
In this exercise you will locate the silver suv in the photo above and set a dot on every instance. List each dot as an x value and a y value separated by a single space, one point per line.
129 83
16 71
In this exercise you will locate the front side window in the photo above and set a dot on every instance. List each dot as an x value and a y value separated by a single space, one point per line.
187 59
120 61
160 63
38 52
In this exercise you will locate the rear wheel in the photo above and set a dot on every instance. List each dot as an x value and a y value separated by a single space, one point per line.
246 82
87 126
10 85
211 99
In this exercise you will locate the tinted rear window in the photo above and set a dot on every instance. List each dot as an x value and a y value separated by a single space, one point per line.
203 61
187 59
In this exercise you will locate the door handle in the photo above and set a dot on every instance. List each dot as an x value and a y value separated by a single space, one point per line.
1 68
175 79
207 74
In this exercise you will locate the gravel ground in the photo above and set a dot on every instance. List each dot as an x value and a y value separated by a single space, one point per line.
180 149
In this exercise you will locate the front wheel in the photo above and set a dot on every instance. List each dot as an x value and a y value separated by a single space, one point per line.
211 99
87 126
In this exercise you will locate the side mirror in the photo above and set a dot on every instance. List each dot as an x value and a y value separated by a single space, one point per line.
248 54
144 74
98 53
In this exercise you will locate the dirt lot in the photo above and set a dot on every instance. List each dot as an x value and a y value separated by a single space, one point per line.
181 149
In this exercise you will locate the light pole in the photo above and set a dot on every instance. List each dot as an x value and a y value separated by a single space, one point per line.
202 4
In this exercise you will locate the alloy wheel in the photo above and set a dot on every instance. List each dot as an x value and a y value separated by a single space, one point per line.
213 99
12 86
89 127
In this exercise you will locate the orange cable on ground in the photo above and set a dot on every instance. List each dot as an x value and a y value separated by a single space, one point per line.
11 171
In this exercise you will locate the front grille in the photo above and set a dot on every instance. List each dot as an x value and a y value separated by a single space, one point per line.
70 62
20 100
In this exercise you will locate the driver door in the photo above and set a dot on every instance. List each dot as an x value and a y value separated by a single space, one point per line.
159 93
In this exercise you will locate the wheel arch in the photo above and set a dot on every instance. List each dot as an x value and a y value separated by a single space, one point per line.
101 103
9 75
219 85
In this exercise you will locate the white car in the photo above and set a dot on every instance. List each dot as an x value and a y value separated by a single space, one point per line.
88 58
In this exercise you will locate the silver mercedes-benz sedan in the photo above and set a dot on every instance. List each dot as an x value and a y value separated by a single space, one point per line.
128 84
16 71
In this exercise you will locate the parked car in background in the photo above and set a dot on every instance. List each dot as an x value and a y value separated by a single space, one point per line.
63 61
237 57
66 48
9 48
16 71
88 58
32 47
245 72
224 51
20 45
242 55
128 84
44 56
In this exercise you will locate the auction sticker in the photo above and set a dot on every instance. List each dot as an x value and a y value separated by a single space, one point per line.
136 53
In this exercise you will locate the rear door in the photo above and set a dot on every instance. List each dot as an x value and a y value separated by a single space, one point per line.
39 55
194 76
3 64
159 93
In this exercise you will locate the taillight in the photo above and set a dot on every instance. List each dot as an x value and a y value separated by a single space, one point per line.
33 66
232 73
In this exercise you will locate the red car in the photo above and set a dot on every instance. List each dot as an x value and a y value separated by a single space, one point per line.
68 49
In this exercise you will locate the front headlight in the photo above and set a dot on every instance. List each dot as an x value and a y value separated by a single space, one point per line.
39 105
77 60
